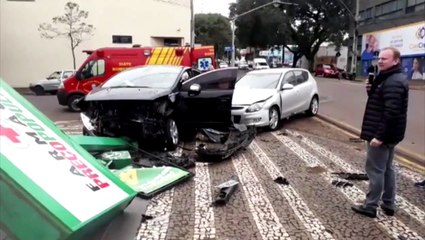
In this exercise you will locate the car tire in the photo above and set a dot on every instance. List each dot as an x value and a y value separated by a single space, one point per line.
39 90
72 102
171 134
274 118
314 107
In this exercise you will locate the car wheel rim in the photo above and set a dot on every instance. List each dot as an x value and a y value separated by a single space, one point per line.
314 106
273 119
174 132
74 105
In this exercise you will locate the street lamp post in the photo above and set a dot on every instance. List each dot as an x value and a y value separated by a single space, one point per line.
275 3
354 56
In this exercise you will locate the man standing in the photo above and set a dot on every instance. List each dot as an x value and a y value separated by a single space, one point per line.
384 125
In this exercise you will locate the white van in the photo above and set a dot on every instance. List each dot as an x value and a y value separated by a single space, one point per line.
260 63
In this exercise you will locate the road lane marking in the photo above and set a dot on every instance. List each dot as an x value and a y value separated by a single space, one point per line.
204 211
408 207
300 208
266 219
392 225
160 209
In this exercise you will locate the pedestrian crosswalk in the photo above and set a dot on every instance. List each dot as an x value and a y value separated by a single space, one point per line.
309 207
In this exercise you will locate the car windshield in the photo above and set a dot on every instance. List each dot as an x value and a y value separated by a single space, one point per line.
259 81
54 75
147 77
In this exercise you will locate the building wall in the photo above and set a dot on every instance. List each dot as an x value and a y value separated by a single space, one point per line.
382 14
378 15
26 57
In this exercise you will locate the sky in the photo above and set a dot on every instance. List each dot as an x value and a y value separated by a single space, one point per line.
212 6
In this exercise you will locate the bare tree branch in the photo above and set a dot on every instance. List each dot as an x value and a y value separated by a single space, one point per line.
70 25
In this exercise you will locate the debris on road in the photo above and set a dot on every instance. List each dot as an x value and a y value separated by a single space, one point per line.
226 190
234 140
343 184
352 176
281 180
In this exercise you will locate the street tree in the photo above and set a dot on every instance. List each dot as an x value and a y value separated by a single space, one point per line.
71 25
213 29
301 29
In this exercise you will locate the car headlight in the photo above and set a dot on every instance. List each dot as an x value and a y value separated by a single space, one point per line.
61 86
256 106
86 122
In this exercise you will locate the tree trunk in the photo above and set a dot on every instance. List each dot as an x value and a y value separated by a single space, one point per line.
73 57
310 59
295 60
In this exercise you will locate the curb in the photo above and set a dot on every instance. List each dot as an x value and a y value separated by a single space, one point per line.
412 157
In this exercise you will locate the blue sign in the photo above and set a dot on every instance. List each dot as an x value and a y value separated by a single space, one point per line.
227 49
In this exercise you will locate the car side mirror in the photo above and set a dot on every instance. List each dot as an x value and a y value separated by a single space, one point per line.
194 89
287 86
78 75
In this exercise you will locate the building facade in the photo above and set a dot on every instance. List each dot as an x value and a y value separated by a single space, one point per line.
396 23
26 57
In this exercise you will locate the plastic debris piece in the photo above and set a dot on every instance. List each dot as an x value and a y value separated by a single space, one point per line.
281 180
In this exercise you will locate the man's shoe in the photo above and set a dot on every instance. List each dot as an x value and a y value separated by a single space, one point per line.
388 211
420 184
364 211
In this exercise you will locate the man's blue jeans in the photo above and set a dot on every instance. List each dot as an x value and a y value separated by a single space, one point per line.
380 170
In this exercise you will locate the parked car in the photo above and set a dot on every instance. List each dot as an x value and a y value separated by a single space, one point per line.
51 83
153 103
327 70
260 63
243 65
223 65
264 97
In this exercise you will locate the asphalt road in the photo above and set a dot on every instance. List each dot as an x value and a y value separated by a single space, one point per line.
306 152
346 101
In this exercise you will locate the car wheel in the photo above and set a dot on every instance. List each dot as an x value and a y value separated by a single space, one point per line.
171 134
273 118
39 90
314 107
72 103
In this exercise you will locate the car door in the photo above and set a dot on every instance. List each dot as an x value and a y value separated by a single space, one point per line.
303 90
210 105
288 96
52 82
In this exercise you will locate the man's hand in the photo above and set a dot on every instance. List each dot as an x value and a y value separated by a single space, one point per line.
368 85
375 143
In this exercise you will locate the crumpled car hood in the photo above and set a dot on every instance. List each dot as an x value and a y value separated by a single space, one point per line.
126 93
250 96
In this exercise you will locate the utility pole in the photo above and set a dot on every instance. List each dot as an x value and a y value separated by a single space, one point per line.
275 3
355 35
192 25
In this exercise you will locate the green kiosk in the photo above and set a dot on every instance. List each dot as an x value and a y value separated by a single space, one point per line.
50 187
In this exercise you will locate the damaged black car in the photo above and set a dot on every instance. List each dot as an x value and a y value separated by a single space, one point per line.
159 104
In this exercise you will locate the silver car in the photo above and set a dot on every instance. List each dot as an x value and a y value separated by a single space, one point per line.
51 83
262 98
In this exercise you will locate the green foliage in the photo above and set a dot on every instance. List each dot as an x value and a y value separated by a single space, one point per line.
213 29
71 25
306 25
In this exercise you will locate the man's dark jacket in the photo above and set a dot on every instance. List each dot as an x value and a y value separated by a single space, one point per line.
386 108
